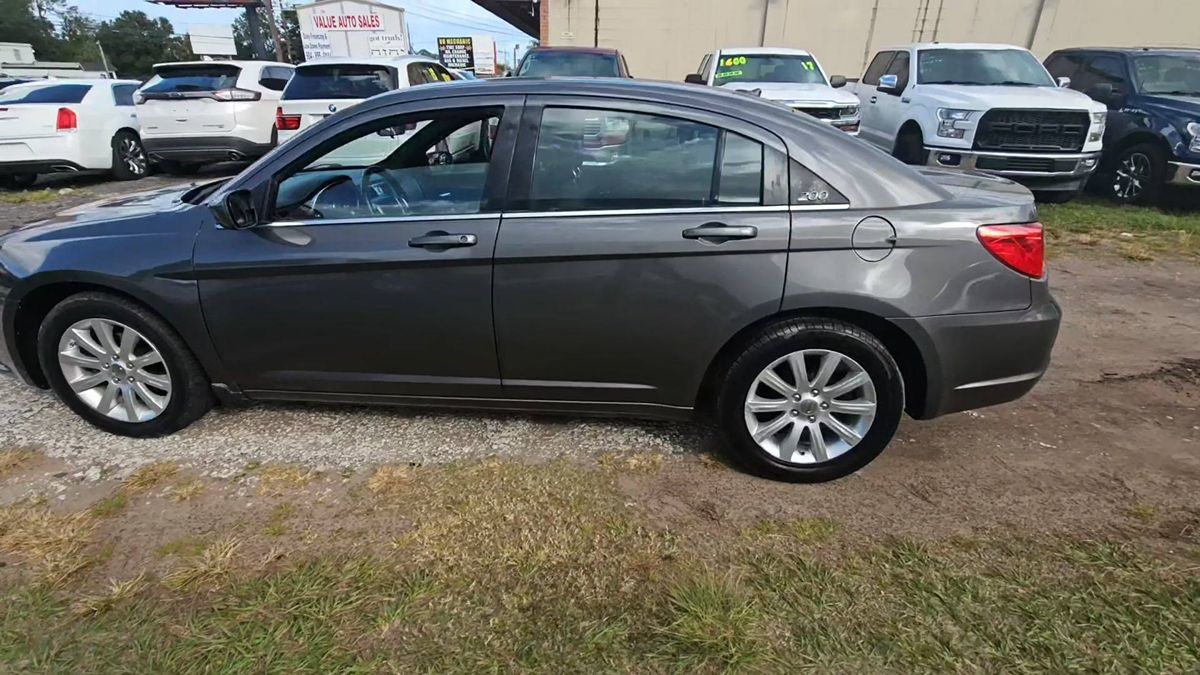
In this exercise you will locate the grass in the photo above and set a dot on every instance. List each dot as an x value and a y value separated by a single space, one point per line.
52 546
150 476
28 197
14 459
1139 233
276 480
110 505
494 567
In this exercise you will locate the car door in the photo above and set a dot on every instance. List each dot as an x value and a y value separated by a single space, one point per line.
869 99
891 107
639 238
367 280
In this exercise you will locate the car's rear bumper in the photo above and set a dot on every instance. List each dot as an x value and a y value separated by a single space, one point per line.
977 360
1037 171
204 148
40 166
1184 174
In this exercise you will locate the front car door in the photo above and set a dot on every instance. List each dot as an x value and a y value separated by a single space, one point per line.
891 110
638 239
373 277
869 97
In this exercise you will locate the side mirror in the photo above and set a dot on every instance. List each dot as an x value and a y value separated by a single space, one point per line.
889 84
1102 92
240 207
1064 82
837 81
694 78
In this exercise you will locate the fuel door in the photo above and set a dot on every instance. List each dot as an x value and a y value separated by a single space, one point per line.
873 239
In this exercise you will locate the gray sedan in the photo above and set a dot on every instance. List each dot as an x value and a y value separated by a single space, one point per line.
584 247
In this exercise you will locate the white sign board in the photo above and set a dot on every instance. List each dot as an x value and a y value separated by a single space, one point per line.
352 28
212 40
485 55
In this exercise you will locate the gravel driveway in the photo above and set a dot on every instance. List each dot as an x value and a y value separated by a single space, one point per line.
1121 398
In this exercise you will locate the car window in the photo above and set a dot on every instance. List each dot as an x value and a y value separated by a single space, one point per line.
568 64
878 67
416 165
441 74
56 93
1102 70
417 74
339 81
973 67
1065 65
1170 74
123 93
899 68
775 68
590 159
703 69
190 78
275 78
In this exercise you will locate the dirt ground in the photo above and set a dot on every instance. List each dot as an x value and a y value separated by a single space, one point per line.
1109 442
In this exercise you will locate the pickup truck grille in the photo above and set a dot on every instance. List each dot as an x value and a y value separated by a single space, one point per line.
1028 164
820 113
1048 130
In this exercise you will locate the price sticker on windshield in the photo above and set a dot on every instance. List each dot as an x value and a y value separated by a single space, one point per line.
767 68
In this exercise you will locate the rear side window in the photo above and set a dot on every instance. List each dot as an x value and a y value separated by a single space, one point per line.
183 79
624 160
878 66
569 64
341 81
58 93
417 74
275 78
123 93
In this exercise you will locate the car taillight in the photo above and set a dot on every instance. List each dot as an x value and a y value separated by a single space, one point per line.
236 95
1020 247
67 121
286 122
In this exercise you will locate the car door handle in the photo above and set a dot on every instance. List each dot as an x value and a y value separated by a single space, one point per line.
905 100
443 240
874 99
719 232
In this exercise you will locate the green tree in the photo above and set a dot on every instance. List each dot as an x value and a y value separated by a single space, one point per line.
134 43
20 22
77 36
289 32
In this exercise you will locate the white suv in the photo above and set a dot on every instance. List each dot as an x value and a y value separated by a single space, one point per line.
320 88
210 111
792 77
55 126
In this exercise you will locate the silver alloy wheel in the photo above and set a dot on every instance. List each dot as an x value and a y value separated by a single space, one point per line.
115 370
810 406
134 157
1132 176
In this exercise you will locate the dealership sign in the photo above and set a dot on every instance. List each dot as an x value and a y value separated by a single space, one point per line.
477 54
323 22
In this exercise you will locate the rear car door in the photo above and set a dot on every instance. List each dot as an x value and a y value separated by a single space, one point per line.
372 279
191 99
638 239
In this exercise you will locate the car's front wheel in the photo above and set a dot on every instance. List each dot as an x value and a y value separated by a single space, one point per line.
129 160
120 367
810 400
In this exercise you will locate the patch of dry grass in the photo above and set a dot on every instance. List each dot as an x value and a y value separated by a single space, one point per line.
1142 512
188 490
812 530
54 546
150 476
13 459
114 594
28 197
636 462
390 480
210 567
277 480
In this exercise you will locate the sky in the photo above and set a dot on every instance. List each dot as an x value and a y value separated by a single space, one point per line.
427 20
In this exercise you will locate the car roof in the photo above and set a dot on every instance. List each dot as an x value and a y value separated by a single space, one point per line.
369 61
54 81
1132 50
954 45
240 64
577 50
765 50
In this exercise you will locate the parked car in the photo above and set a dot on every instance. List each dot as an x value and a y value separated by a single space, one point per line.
792 77
198 112
56 126
1152 138
982 106
734 256
318 89
573 62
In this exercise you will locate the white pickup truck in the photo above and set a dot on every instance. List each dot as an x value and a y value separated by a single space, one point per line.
789 76
987 107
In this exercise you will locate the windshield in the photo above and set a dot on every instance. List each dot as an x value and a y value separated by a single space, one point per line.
57 93
1014 67
172 79
341 81
569 64
767 68
1173 74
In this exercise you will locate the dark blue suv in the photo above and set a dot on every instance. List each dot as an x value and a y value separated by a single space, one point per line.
1153 98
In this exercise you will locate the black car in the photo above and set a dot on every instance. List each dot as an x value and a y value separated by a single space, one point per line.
583 246
1153 134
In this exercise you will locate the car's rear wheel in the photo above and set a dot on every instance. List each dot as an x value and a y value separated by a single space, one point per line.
178 168
1136 175
810 400
129 160
120 367
18 181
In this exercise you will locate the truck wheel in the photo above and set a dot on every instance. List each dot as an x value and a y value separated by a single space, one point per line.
910 147
129 160
810 400
1136 175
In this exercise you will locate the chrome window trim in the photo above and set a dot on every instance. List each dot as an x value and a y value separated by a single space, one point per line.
381 220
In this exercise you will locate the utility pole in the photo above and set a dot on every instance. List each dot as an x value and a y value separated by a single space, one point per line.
279 51
103 58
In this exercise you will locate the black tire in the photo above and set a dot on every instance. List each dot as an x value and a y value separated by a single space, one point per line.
178 168
785 337
17 181
129 159
1055 197
910 147
191 395
1112 184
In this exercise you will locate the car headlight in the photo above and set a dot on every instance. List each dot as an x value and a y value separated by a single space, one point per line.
850 111
953 122
1099 120
1193 128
